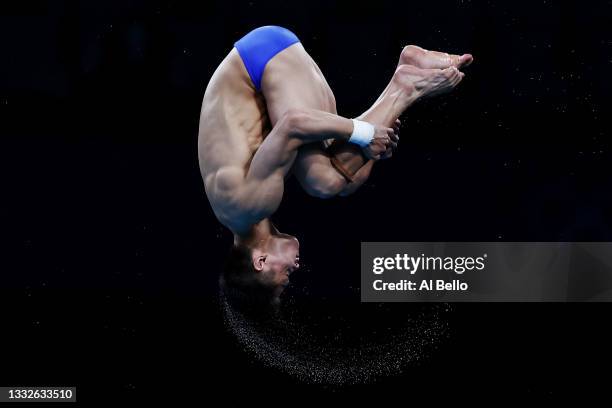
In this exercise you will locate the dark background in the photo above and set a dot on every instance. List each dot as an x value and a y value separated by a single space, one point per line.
111 251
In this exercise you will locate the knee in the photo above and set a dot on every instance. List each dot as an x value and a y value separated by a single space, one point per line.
326 187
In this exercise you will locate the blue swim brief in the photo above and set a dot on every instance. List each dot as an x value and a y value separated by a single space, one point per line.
259 46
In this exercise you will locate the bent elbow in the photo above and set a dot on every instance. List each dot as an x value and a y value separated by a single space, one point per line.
293 119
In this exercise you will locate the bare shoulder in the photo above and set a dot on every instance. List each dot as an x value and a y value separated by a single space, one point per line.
228 179
224 187
225 191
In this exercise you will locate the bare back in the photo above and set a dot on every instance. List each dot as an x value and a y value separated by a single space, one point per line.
235 118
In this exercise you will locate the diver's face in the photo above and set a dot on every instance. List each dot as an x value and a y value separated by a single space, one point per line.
281 259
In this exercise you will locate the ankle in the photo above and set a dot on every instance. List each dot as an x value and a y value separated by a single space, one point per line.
403 80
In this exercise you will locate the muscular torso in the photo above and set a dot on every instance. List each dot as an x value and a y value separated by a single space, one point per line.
235 119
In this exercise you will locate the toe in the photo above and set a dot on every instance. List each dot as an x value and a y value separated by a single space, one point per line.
465 60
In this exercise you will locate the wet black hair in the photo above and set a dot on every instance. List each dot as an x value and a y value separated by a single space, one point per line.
239 283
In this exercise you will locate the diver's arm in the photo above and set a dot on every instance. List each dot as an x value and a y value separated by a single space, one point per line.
312 125
259 193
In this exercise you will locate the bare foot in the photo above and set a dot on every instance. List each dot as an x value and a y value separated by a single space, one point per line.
427 82
422 58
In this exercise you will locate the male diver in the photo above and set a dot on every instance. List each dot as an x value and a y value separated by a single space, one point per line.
268 112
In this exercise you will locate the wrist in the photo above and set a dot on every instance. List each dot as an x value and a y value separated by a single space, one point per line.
363 133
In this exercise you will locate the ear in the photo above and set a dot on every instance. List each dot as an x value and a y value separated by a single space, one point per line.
259 259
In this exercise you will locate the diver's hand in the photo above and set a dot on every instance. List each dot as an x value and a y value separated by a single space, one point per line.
383 139
394 140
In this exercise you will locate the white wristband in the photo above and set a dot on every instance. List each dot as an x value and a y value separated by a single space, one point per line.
363 133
